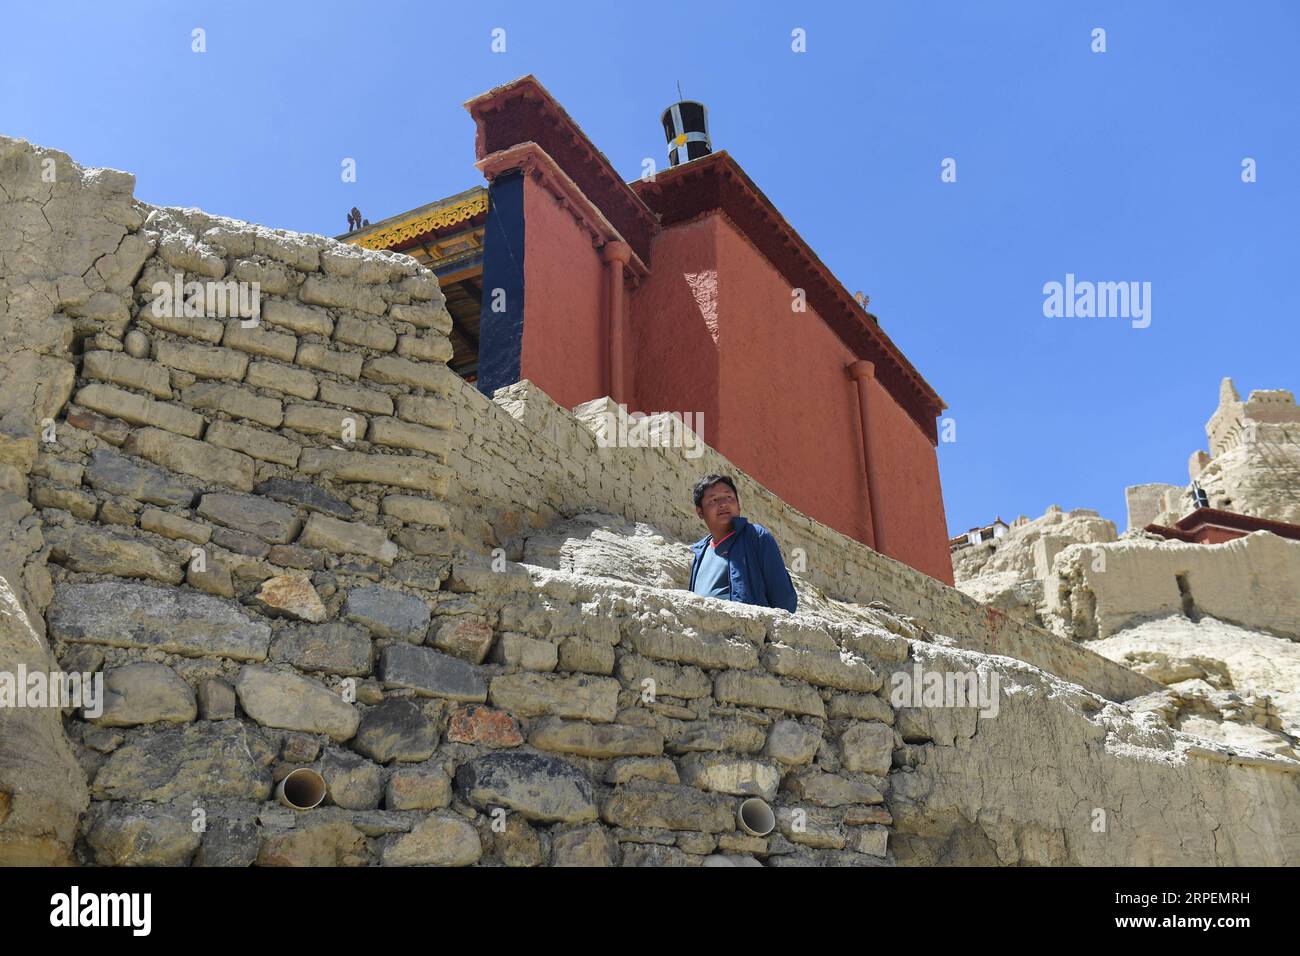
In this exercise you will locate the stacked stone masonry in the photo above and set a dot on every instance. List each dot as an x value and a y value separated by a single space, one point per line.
262 535
522 462
243 525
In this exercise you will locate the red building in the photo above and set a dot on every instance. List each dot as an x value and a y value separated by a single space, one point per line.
1212 526
680 294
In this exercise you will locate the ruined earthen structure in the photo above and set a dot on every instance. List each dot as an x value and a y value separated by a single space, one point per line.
1203 599
1252 468
295 542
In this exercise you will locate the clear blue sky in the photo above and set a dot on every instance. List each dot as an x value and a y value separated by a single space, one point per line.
1123 165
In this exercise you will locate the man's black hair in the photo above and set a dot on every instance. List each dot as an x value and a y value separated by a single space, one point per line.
708 481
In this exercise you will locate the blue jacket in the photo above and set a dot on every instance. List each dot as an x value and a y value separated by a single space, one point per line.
758 572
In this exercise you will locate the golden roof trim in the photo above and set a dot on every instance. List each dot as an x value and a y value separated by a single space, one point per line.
417 225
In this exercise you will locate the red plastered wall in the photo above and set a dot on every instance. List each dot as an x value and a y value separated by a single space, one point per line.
909 496
563 350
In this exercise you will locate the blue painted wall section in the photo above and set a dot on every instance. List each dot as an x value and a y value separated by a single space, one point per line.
501 333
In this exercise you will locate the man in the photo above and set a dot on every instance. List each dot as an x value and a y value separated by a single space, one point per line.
737 560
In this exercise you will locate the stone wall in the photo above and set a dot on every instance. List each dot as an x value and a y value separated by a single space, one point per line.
1063 778
252 533
243 527
521 461
185 491
1096 590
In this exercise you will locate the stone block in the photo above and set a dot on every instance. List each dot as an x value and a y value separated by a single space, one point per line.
292 702
351 781
761 690
433 377
831 790
332 648
145 693
595 740
314 355
98 551
81 504
347 537
318 842
355 397
735 734
131 372
291 596
259 341
174 526
206 330
867 747
540 788
670 807
174 621
519 650
366 332
579 697
485 726
254 442
234 401
412 510
190 457
431 674
843 671
417 790
713 653
140 409
396 433
723 773
426 410
300 319
342 294
388 613
425 348
586 656
216 699
222 759
202 361
254 515
860 707
282 378
305 495
401 471
462 636
688 683
792 743
438 840
395 730
141 834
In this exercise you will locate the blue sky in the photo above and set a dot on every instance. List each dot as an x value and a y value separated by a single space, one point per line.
1115 166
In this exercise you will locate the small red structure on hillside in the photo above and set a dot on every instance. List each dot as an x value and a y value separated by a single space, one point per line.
1212 526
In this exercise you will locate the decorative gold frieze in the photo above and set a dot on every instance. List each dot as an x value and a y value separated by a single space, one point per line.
422 223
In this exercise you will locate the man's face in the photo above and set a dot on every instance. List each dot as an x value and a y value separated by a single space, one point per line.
718 506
